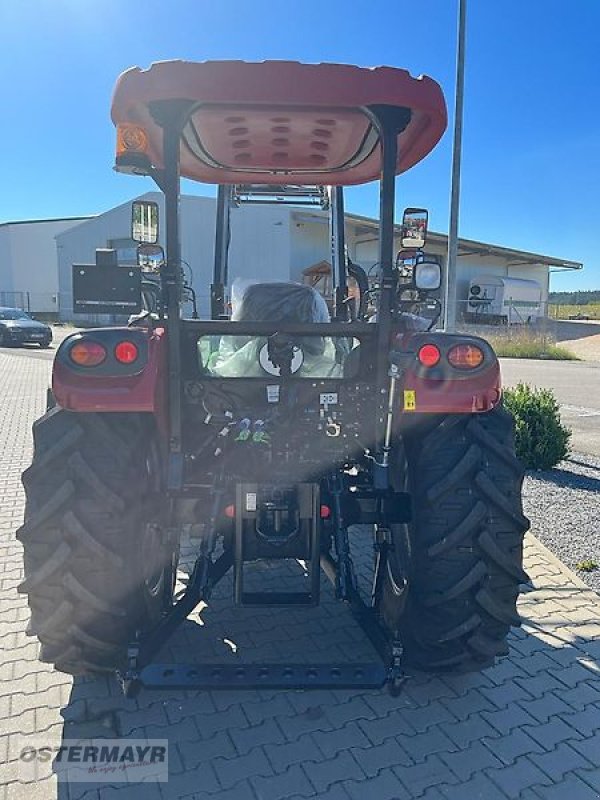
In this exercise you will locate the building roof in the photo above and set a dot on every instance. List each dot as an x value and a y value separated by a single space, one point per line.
468 247
51 219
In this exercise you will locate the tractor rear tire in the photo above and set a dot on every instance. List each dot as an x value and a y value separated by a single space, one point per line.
466 543
97 568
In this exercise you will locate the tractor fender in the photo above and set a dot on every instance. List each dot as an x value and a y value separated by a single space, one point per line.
442 388
112 386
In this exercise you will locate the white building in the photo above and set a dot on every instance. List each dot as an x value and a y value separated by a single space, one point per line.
267 243
29 264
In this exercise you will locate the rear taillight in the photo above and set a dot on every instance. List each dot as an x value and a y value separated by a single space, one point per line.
126 352
429 355
465 356
87 354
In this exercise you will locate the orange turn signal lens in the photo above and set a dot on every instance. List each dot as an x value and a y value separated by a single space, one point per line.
465 356
126 352
87 354
131 138
429 355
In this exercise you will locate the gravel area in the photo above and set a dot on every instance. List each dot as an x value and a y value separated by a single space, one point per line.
563 505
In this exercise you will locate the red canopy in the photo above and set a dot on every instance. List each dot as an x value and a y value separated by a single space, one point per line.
277 121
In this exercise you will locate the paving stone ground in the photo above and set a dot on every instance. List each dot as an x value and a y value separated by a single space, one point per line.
529 728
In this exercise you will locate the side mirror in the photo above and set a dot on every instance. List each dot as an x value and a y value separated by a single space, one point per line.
427 276
414 228
144 221
150 257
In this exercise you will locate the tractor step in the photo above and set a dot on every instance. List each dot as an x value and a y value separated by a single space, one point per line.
263 676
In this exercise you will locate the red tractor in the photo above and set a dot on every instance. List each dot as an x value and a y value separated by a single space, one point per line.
283 426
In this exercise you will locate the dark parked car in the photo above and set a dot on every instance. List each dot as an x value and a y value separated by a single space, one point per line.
17 327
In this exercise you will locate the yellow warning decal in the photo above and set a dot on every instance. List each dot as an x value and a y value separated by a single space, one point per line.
410 400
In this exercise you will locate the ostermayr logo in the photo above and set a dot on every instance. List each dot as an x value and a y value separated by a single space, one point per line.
95 760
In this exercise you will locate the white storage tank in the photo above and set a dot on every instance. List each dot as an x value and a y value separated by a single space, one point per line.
500 300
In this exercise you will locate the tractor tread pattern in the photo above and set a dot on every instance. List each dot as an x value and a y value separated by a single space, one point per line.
505 560
48 568
86 500
460 532
80 533
95 482
467 540
38 518
462 468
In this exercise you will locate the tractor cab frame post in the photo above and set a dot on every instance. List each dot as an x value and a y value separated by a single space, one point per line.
172 117
390 121
338 254
221 265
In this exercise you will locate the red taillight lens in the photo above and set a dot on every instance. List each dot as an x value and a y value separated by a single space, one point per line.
465 356
126 352
87 354
325 512
428 355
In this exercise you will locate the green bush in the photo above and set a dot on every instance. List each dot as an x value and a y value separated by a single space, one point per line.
540 437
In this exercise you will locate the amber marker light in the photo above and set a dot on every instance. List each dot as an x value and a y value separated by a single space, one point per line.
87 354
131 138
126 352
465 356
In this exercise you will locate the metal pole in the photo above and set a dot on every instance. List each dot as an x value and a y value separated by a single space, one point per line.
450 281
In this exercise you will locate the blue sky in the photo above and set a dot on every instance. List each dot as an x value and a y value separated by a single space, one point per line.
531 147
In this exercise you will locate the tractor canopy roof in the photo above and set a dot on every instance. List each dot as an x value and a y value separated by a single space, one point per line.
272 122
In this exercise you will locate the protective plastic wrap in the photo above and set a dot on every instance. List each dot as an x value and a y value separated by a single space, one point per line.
277 302
245 356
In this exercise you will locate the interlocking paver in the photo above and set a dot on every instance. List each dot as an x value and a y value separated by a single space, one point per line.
466 762
232 770
527 728
479 786
469 730
333 742
421 745
521 775
509 692
335 792
572 787
385 786
586 722
277 787
373 759
517 743
299 751
199 751
342 767
507 719
551 733
560 761
589 749
419 777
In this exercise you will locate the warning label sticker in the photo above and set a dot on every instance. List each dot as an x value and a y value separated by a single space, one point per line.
410 400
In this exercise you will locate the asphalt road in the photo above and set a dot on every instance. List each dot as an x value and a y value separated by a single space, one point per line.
576 385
